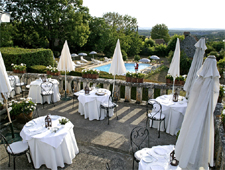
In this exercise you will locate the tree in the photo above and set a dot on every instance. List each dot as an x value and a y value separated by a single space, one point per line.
172 43
51 21
118 21
160 31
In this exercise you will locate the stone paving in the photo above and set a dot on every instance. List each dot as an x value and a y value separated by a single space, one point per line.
98 142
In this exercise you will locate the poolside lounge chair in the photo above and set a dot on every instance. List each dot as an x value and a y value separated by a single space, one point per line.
97 62
79 63
106 59
82 59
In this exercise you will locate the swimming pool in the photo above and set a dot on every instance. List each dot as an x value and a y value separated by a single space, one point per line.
129 67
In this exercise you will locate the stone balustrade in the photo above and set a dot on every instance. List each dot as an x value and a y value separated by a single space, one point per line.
76 83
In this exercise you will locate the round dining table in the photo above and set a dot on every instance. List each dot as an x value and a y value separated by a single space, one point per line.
53 146
174 113
89 104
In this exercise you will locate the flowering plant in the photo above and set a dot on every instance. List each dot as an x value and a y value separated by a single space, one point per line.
20 67
129 74
24 106
49 68
90 71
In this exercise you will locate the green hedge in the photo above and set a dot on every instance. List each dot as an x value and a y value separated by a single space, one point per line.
30 57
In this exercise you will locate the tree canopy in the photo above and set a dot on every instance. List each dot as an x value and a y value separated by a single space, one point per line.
160 31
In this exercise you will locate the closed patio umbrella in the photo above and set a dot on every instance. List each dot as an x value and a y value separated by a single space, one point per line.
5 88
174 69
117 66
65 63
195 65
195 144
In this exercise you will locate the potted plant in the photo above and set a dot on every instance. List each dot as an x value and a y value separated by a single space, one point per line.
49 68
22 110
181 80
63 121
169 79
84 73
128 76
94 74
22 68
55 72
134 78
140 77
221 94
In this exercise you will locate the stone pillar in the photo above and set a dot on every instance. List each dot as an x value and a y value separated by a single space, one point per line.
162 91
139 95
61 86
127 93
106 86
116 92
94 84
68 88
76 87
151 93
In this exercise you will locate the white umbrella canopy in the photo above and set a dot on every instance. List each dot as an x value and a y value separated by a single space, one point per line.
144 60
5 87
195 144
117 65
74 55
195 65
82 54
154 57
93 52
174 69
65 61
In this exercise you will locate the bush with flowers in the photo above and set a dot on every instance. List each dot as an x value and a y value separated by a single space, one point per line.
52 70
19 68
25 106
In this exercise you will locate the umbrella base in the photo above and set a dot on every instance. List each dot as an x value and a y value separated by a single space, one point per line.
65 98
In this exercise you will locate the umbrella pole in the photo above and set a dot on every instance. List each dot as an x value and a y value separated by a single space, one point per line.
66 98
173 84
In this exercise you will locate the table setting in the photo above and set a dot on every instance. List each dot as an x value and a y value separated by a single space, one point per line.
89 103
52 145
35 91
156 158
174 112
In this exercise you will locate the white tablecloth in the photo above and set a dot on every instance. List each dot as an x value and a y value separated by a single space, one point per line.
35 91
47 147
156 158
174 113
89 105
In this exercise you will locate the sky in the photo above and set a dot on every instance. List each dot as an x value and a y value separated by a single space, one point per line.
173 13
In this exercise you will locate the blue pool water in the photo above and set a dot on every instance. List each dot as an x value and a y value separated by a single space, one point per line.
129 67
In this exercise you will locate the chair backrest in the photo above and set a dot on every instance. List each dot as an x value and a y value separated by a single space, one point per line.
154 107
5 143
139 138
46 87
12 81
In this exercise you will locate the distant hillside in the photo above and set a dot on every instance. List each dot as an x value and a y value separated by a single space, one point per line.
210 35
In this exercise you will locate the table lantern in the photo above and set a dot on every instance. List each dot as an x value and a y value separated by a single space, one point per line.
175 96
48 121
86 89
173 160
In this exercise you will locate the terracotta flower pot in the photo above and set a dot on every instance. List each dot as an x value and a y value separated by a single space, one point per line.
94 76
134 80
140 80
168 81
182 82
48 72
84 75
23 118
89 76
128 79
